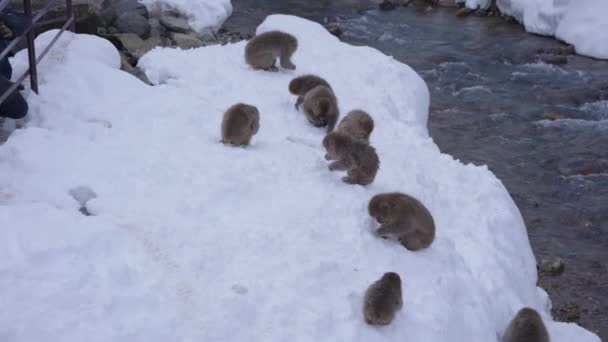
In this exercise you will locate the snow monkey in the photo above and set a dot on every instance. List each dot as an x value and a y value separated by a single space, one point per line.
383 299
240 123
526 326
357 124
403 218
303 84
356 157
321 107
262 50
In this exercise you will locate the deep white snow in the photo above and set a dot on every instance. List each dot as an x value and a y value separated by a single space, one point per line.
582 23
202 14
196 241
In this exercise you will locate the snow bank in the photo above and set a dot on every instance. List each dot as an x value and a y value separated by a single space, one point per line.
196 241
582 23
202 14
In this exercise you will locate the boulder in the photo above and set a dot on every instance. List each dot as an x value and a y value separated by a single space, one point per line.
173 22
185 41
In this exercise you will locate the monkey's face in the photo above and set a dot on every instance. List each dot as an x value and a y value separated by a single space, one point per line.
329 142
380 209
393 278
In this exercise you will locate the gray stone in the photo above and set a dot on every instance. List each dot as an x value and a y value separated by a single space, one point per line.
156 28
132 22
174 22
137 72
185 41
112 9
129 42
133 46
554 266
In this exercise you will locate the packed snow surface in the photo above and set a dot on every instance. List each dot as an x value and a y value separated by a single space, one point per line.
582 23
192 240
202 14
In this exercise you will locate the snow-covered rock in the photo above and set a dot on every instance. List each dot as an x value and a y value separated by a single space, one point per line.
202 14
582 23
196 241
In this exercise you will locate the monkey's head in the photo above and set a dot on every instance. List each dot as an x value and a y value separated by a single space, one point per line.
382 208
334 144
392 278
295 86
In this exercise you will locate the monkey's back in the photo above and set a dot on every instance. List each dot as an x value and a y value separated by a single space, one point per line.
367 160
305 83
239 124
526 326
358 124
381 302
312 107
417 214
276 43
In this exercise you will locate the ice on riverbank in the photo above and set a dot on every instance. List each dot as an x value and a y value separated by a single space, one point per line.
196 241
201 14
582 23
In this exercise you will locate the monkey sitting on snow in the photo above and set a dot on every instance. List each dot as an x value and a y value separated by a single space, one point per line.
403 218
262 50
356 157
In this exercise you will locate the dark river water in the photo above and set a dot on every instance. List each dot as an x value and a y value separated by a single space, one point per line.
541 128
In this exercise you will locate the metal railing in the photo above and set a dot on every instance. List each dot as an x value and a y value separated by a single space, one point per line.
29 34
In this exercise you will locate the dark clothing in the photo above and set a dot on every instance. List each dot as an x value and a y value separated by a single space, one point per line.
15 106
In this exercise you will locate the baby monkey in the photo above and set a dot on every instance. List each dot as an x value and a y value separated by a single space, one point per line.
321 107
383 299
240 123
526 326
262 50
303 84
357 124
356 157
404 218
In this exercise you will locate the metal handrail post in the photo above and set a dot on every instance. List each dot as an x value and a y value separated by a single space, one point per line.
69 12
31 50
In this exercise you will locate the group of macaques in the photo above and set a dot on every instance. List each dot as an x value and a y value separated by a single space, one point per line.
402 217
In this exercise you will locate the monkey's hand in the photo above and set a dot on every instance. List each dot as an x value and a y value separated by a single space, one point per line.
299 102
338 165
388 229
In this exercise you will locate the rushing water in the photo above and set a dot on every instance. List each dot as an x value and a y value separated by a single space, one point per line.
541 128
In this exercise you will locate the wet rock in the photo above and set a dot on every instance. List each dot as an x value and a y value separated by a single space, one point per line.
335 30
551 266
129 42
387 5
112 9
464 12
156 28
173 22
447 3
185 41
562 51
553 59
552 116
131 22
126 66
567 313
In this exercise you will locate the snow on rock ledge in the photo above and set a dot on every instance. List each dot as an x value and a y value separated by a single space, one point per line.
582 23
202 14
195 241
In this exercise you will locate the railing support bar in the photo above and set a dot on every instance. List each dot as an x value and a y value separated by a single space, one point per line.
31 49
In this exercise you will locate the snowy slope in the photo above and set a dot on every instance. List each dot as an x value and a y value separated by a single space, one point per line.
202 14
582 23
196 241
